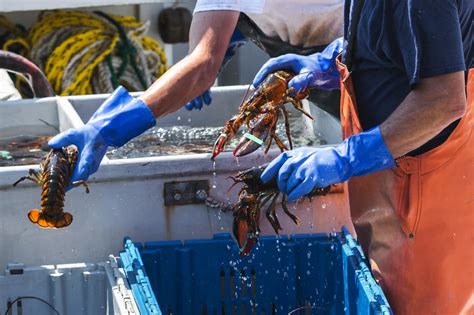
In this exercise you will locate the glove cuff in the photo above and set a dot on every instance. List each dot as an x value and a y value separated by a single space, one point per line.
368 153
328 76
121 118
236 41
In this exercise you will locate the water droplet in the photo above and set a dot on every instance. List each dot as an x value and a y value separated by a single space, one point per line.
308 272
323 205
179 118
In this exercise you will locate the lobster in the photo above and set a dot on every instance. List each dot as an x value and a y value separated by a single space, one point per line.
54 178
253 197
260 112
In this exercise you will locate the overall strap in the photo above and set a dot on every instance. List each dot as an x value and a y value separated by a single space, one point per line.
352 11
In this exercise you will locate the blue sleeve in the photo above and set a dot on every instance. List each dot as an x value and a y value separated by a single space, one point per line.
429 38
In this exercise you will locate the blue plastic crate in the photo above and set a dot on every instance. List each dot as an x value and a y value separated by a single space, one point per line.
314 274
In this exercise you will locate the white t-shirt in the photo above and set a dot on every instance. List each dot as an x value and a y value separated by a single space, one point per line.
303 23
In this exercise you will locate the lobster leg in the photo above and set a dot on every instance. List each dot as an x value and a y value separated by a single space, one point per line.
279 143
272 134
34 176
29 178
35 173
271 214
265 200
79 183
269 145
288 213
299 106
287 126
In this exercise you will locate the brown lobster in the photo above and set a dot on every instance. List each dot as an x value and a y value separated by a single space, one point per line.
56 171
260 112
253 197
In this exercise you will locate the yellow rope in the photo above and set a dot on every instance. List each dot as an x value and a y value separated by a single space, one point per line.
71 44
17 41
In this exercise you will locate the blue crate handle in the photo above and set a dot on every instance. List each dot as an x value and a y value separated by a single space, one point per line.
373 291
138 279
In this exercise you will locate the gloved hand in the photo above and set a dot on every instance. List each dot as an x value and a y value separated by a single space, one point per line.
236 41
199 100
317 70
299 171
120 118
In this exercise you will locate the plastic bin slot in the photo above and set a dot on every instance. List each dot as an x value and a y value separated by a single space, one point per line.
301 274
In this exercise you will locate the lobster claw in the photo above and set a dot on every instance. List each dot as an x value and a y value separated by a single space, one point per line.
246 238
219 145
249 143
226 134
245 224
261 127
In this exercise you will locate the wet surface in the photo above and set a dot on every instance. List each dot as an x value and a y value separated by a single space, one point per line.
23 150
179 140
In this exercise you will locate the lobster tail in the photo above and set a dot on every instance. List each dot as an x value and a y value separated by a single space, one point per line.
61 220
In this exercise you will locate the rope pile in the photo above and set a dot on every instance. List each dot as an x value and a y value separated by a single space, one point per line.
13 37
91 52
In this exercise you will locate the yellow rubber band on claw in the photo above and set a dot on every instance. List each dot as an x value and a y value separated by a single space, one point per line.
253 138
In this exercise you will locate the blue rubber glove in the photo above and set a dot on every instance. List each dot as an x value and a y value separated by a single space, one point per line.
300 171
120 118
317 70
236 41
197 103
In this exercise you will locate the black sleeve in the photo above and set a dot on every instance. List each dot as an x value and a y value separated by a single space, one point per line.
429 38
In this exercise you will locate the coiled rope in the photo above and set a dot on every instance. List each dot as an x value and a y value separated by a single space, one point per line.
92 52
13 37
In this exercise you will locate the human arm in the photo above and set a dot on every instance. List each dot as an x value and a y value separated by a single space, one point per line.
210 32
436 99
433 105
236 41
122 117
427 110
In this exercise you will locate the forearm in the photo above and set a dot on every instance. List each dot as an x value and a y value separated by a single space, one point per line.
209 36
429 108
180 84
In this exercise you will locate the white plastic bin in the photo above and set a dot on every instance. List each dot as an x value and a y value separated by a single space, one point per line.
127 195
99 288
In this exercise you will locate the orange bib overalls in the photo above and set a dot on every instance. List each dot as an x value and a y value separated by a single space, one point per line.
416 221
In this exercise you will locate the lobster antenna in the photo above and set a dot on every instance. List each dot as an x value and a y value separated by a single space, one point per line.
245 95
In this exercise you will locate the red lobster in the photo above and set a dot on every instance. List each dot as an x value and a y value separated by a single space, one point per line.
253 196
260 112
56 170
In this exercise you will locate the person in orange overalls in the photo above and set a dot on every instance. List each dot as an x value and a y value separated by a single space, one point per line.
407 87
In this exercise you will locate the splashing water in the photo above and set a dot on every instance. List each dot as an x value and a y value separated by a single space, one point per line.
178 140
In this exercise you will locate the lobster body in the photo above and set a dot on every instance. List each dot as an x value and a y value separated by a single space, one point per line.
253 196
260 112
54 178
